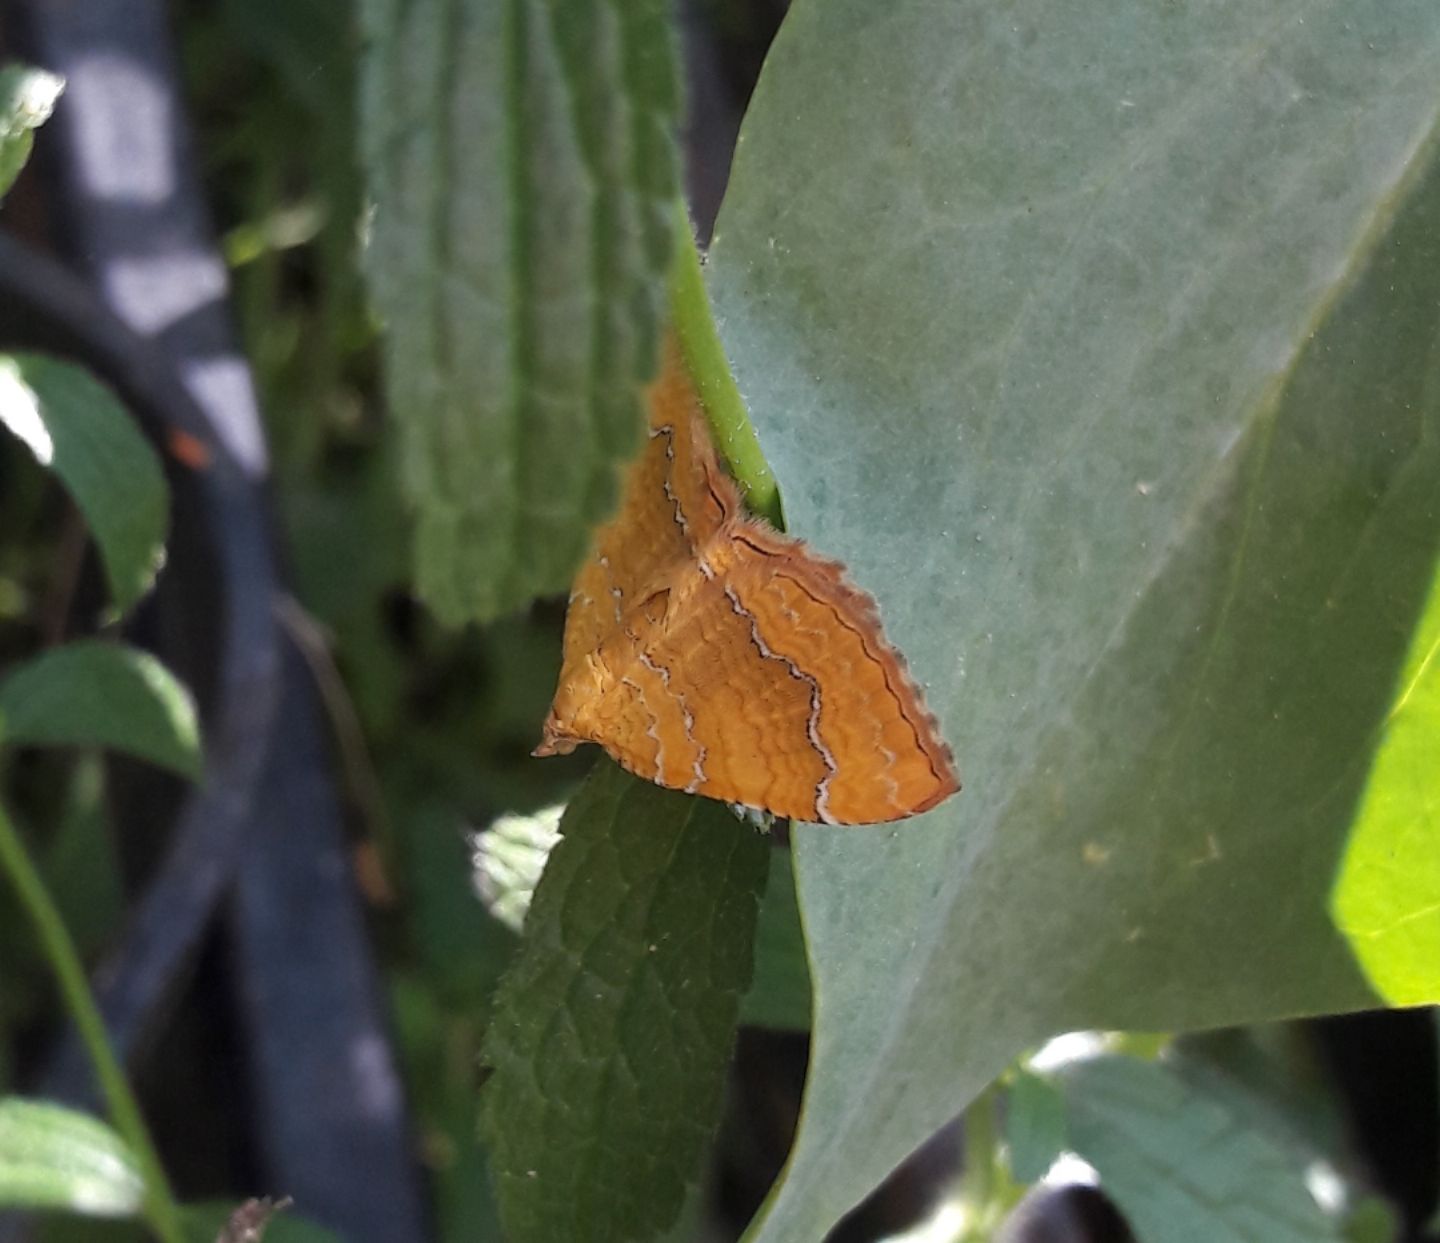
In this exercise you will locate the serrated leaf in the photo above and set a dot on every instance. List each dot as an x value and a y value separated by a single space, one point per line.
27 98
94 694
75 426
613 1030
57 1158
1100 344
1181 1167
521 164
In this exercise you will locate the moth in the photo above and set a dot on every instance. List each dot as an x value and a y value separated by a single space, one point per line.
708 652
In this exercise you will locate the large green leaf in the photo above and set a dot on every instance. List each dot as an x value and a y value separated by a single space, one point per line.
56 1158
1100 342
613 1030
94 694
75 426
521 164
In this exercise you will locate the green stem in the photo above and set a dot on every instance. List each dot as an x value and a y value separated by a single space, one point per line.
705 360
978 1192
160 1207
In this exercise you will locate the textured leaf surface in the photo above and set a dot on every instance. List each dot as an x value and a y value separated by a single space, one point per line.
1100 344
1183 1168
613 1030
27 97
95 694
74 425
55 1158
521 163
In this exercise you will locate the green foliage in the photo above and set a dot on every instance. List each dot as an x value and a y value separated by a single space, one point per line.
462 945
95 694
1180 1165
1108 367
74 426
779 994
613 1029
27 97
1034 1126
56 1158
522 166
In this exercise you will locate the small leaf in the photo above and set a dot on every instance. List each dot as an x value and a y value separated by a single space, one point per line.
1034 1126
27 97
75 426
1180 1165
57 1158
98 694
613 1030
509 859
521 163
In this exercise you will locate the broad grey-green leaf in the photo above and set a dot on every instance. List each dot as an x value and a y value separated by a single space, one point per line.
94 694
27 97
613 1030
1183 1168
74 426
521 165
1100 343
57 1158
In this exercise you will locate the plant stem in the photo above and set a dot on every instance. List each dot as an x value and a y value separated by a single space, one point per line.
160 1207
705 359
978 1190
